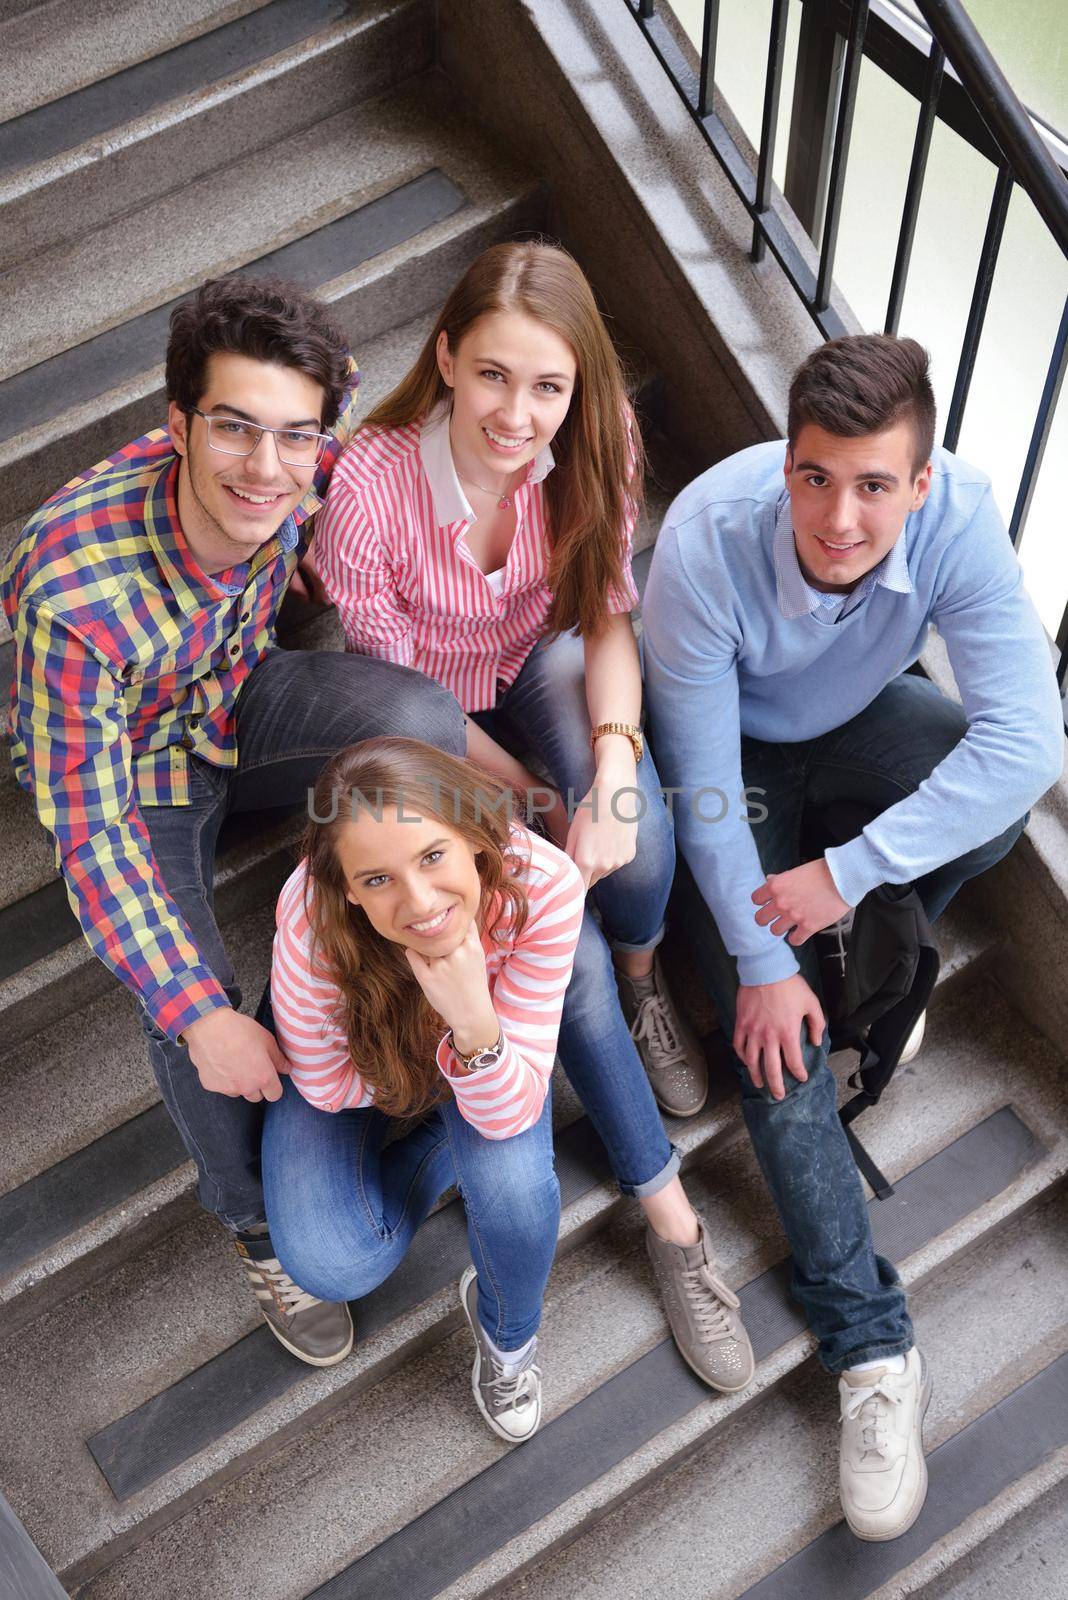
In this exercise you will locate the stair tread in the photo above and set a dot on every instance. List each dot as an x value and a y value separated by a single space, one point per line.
996 1055
985 1324
261 203
61 48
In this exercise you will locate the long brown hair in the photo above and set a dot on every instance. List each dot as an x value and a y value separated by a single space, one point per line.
597 449
391 1028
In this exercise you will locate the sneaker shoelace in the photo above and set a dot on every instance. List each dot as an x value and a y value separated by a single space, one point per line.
512 1391
289 1296
871 1407
653 1025
711 1300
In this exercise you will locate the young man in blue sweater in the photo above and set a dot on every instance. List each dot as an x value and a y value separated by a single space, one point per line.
792 586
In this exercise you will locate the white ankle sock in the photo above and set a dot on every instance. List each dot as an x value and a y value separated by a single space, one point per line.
891 1363
509 1359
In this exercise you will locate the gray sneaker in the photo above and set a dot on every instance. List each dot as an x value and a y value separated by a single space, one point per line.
511 1403
702 1311
317 1331
671 1055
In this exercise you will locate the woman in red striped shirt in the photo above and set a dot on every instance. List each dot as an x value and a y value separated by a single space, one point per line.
422 951
479 529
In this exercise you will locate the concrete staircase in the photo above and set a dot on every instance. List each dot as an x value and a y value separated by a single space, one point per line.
156 1442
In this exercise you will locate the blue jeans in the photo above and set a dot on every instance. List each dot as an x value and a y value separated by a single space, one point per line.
545 711
343 1210
853 1298
296 710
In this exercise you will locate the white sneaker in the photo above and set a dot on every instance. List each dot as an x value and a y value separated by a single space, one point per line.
509 1401
882 1473
914 1041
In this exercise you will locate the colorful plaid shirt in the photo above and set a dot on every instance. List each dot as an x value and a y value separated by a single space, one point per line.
128 659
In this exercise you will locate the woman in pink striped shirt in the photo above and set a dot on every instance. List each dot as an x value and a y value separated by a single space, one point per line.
478 528
422 951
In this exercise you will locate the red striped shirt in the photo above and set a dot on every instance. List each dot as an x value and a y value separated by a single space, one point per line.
527 980
391 548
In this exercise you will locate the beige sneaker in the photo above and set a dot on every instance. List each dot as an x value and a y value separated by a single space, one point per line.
671 1054
319 1332
702 1311
882 1473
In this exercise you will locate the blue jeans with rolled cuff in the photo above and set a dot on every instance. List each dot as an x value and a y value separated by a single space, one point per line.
343 1206
297 709
545 711
852 1297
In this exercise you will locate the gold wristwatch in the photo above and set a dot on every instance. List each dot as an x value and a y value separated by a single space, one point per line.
483 1055
627 729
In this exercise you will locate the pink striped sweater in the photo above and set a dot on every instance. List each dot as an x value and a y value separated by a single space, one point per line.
391 550
527 978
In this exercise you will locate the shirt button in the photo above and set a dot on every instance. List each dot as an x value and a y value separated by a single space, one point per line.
235 649
245 615
134 675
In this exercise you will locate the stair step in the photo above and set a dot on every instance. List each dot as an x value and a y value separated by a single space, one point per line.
603 1327
71 166
754 1514
133 1308
61 47
407 145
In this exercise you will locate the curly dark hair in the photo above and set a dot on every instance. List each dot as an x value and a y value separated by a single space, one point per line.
266 319
865 383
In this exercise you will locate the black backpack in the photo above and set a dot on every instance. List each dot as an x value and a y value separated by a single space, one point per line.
876 994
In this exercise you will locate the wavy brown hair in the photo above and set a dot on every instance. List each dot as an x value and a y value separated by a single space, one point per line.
598 450
391 1028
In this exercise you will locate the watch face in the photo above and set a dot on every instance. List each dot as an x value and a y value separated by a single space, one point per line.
485 1058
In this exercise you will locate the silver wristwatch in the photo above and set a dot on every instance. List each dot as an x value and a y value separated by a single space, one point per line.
484 1055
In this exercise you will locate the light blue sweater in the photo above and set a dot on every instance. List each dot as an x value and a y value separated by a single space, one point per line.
734 643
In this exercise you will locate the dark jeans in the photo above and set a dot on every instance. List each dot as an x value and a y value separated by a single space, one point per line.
853 1298
295 711
344 1206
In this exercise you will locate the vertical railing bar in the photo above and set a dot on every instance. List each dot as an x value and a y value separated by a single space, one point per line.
709 38
988 257
1047 407
647 8
770 120
854 56
928 116
1062 646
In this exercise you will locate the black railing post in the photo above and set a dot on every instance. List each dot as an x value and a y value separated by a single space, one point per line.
932 85
770 120
984 278
1047 407
846 107
647 8
709 38
817 85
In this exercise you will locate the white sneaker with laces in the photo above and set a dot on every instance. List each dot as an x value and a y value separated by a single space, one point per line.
882 1472
509 1401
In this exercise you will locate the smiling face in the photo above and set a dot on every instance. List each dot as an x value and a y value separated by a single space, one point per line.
230 505
414 877
512 379
849 499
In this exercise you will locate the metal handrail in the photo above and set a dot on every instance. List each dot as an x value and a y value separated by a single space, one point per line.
953 75
1001 110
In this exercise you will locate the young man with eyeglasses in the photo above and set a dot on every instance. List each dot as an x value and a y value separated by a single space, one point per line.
792 587
149 702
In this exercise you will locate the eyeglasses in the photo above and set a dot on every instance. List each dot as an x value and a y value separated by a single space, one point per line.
235 437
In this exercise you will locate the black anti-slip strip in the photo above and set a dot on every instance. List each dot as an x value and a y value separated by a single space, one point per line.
613 1422
110 1170
141 1446
90 369
967 1472
134 92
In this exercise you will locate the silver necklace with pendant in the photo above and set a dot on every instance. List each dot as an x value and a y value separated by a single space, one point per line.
503 500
